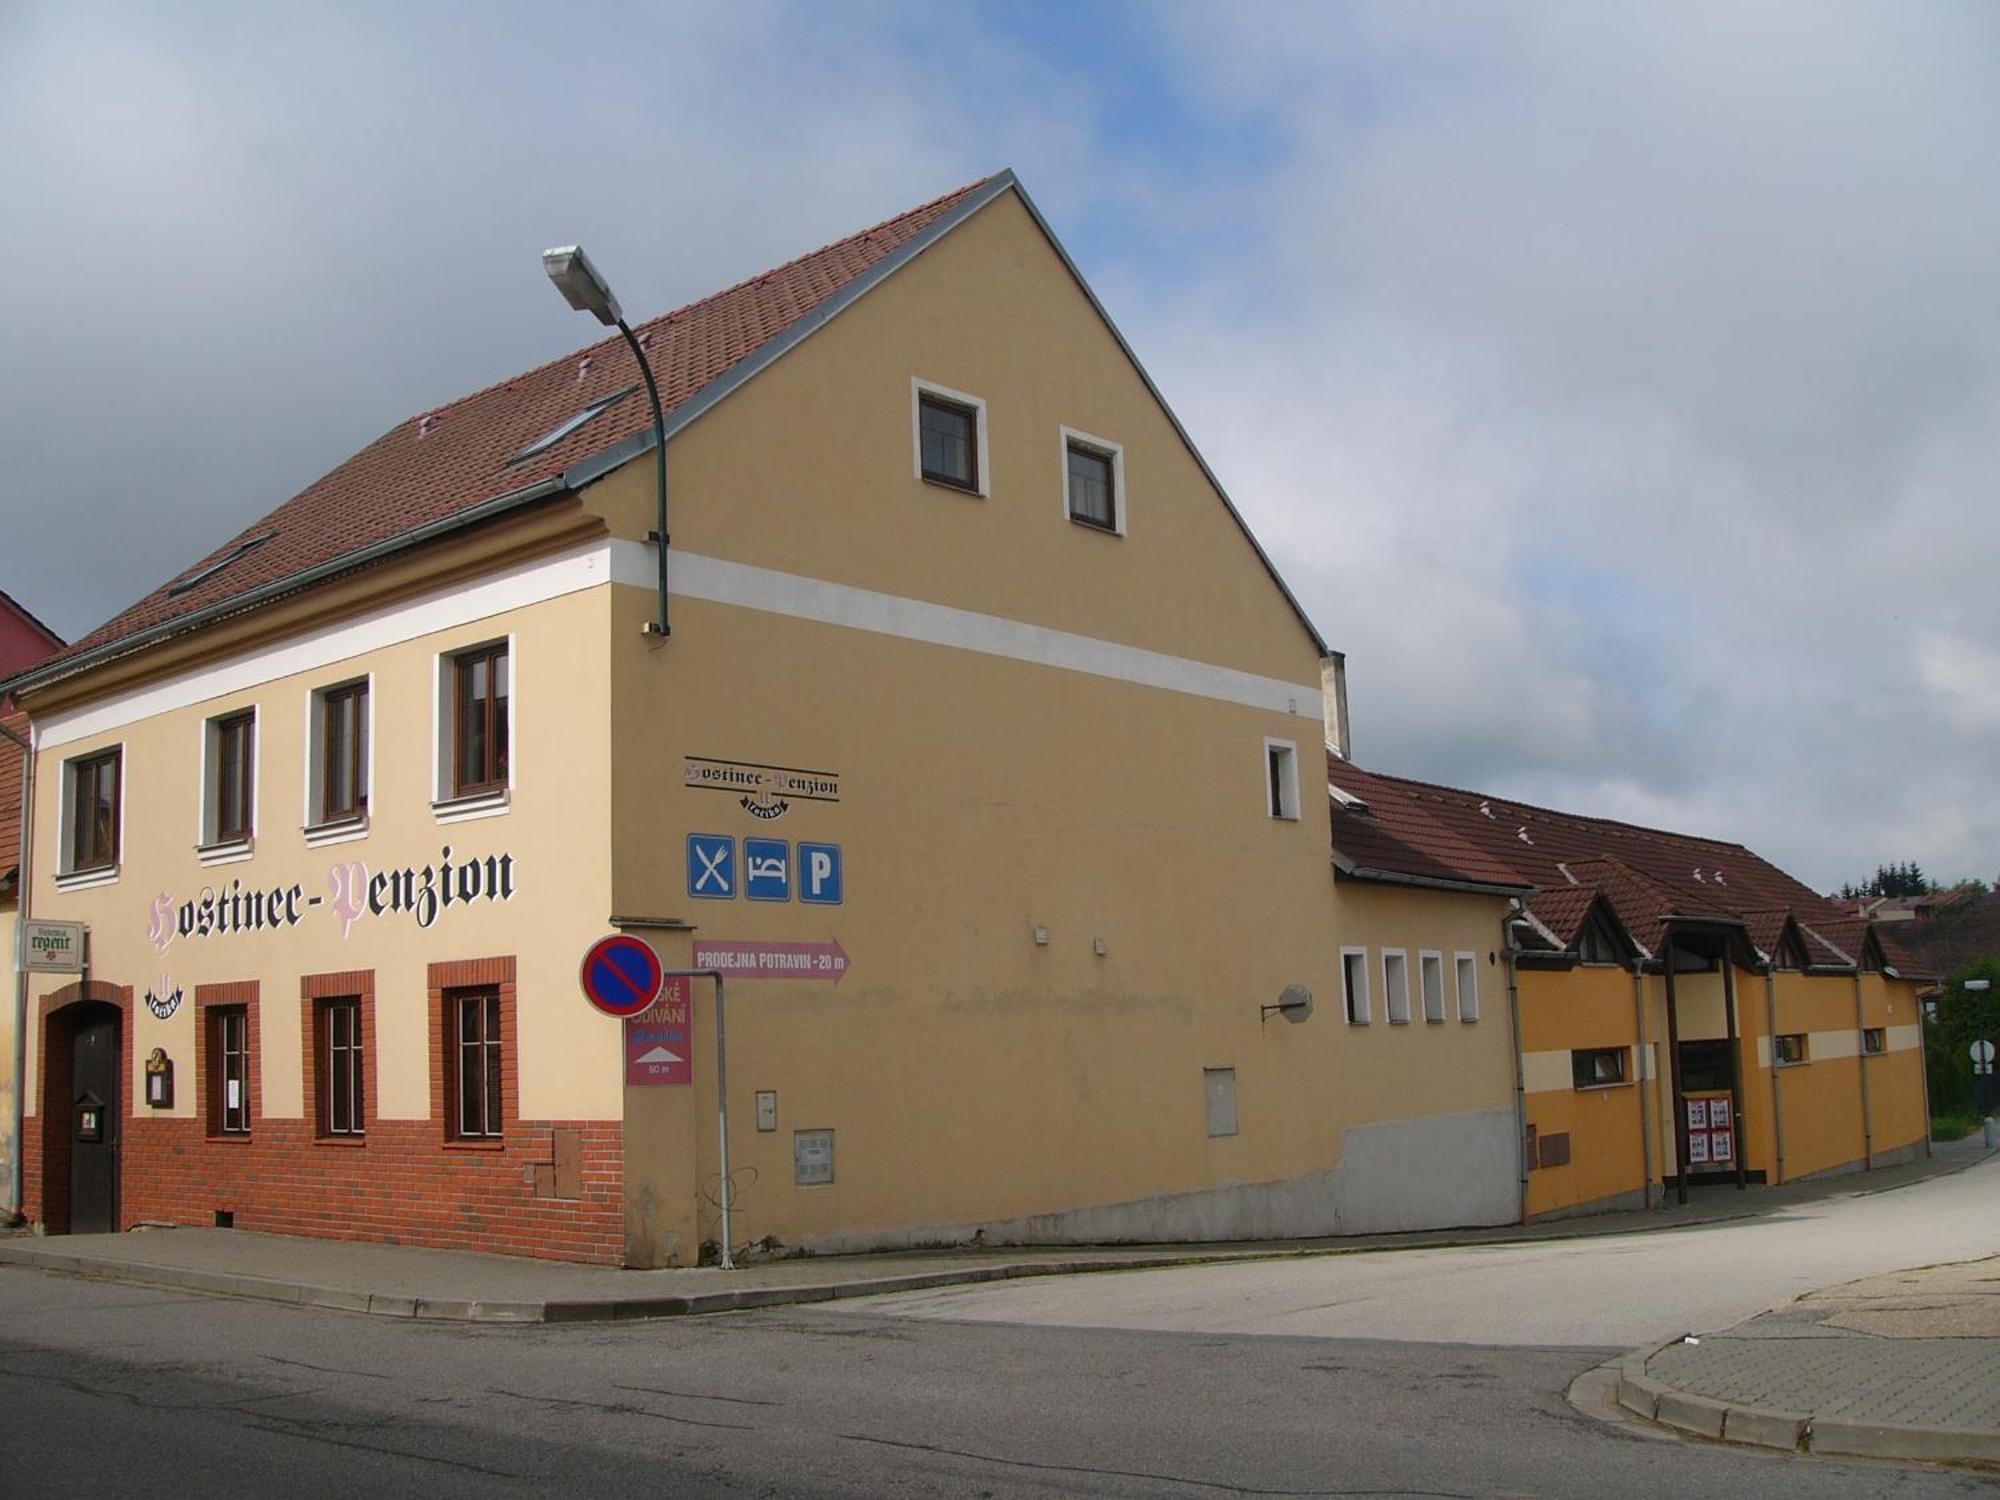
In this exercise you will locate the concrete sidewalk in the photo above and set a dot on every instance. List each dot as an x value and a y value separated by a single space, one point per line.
1905 1365
401 1281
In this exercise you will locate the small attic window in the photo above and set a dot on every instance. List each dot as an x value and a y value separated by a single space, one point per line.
556 434
241 549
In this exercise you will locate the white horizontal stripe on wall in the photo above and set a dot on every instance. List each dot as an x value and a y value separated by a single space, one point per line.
512 588
1546 1072
693 576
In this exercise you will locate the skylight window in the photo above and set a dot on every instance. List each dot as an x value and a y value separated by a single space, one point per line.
241 549
555 435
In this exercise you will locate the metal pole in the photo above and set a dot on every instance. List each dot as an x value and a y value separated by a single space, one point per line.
1520 1078
1639 1067
1777 1095
17 1166
721 1095
1924 1073
1674 1061
659 533
1739 1132
1861 1067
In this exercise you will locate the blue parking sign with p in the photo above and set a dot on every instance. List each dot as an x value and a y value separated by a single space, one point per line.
820 875
712 866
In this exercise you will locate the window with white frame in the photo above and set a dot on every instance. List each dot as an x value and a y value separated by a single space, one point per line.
1281 779
339 745
1430 972
1396 986
229 780
1468 986
1354 984
1093 481
93 813
948 433
475 729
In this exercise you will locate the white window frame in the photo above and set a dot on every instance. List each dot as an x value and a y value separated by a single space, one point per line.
1431 961
920 388
1357 1014
318 831
67 877
1462 965
1402 957
1113 451
445 807
209 848
1288 786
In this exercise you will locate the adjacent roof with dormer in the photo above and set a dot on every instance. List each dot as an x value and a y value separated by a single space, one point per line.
1648 878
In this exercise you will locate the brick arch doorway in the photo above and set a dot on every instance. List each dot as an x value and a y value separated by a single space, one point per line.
84 1040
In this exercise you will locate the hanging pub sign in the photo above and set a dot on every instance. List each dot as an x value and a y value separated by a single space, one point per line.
52 947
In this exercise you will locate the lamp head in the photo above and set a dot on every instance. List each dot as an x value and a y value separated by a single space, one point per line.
577 279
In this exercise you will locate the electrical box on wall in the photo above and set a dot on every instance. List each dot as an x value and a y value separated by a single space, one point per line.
812 1157
767 1109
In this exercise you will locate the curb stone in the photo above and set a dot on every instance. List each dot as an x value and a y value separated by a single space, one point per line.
1788 1431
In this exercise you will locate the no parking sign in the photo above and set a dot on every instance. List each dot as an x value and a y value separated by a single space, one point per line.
620 975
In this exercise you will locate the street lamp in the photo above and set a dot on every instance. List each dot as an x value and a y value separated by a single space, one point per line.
586 291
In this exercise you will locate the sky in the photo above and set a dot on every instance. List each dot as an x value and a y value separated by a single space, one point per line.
1619 387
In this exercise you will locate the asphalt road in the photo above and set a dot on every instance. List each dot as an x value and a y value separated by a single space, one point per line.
108 1389
1617 1291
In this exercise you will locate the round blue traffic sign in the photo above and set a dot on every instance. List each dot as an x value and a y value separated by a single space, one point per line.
621 975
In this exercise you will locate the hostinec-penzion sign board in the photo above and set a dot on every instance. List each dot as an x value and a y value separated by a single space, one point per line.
351 891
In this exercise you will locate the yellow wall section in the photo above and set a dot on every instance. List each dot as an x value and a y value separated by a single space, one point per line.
554 829
1563 1011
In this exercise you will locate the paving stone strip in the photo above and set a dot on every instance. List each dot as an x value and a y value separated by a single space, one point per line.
1899 1366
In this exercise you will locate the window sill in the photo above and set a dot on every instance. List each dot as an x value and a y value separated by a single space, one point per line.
228 1138
1600 1088
225 852
476 805
1352 1021
88 880
1097 526
1804 1062
952 484
459 1143
343 831
1434 1020
341 1142
1403 1022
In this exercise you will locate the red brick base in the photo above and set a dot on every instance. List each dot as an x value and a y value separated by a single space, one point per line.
403 1182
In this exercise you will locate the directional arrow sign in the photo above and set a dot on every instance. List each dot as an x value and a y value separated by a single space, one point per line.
747 958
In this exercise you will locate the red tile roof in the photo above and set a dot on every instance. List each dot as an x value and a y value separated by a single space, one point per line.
1394 835
1647 874
455 457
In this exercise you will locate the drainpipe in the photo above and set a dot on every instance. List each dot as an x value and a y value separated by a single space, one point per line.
1924 1076
1508 949
1777 1095
1639 1063
1861 1066
11 1213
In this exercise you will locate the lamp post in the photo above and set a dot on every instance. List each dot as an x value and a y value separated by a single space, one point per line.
587 291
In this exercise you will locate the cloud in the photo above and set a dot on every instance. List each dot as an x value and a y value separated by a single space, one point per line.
1621 389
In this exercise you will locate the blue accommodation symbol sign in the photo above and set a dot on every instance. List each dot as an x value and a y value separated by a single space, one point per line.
767 869
711 866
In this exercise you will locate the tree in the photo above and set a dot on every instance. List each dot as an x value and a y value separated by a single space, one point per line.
1963 1017
1904 879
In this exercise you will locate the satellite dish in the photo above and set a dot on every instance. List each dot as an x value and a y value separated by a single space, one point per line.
1295 1003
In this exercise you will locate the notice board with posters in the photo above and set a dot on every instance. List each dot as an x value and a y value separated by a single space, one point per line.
1711 1132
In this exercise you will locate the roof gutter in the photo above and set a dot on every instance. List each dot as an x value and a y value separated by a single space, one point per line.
347 562
1429 882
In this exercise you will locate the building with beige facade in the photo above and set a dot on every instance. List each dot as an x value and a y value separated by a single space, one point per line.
969 734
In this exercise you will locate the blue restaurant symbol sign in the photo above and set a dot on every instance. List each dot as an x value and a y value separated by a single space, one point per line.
712 866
